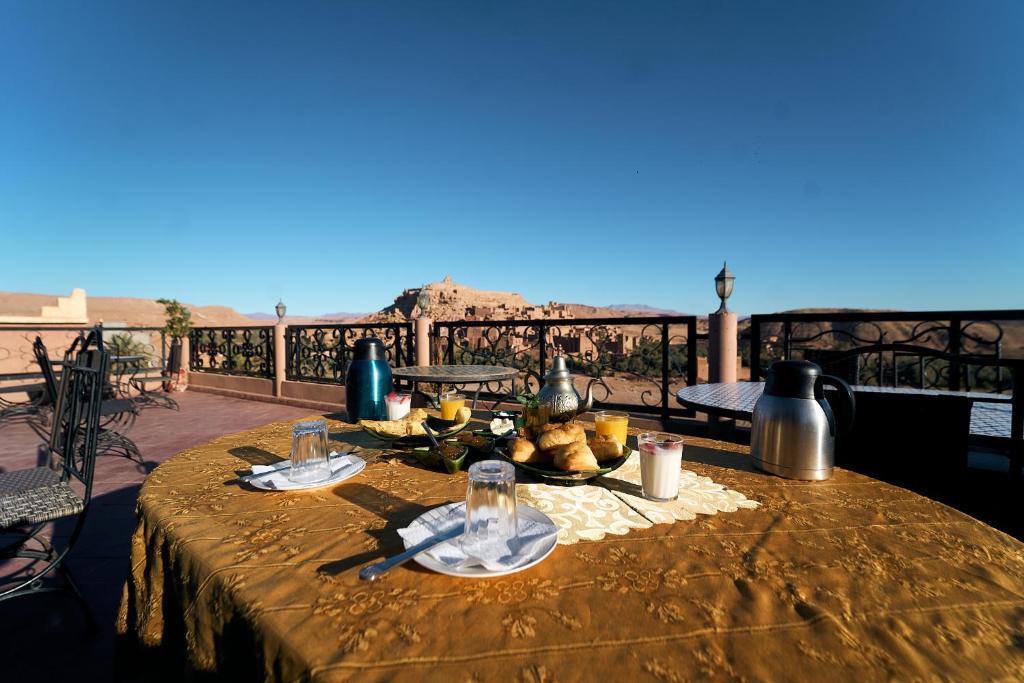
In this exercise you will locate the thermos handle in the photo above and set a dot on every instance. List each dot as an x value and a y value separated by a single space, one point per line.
845 398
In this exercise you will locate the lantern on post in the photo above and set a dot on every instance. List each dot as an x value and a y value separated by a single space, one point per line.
280 309
723 286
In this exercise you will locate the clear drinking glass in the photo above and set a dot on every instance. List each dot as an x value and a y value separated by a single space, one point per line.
612 423
309 453
661 459
490 508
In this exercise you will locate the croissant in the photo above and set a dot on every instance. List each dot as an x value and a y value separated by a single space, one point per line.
574 457
605 447
553 436
523 450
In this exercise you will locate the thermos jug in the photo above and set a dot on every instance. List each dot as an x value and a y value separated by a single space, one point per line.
367 381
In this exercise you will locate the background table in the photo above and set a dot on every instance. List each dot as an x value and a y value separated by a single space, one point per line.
849 579
458 374
990 413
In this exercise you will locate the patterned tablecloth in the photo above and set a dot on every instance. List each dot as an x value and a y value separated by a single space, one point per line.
849 579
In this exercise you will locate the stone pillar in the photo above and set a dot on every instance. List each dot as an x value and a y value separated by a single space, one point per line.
423 340
722 347
178 381
279 357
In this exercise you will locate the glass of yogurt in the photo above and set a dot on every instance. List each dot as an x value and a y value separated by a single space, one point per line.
661 459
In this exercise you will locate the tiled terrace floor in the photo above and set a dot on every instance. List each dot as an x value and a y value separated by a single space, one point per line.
44 637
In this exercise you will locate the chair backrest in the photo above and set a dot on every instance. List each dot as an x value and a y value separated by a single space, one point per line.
46 367
76 416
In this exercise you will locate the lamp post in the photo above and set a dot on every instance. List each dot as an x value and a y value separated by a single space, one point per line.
423 328
280 309
723 286
722 333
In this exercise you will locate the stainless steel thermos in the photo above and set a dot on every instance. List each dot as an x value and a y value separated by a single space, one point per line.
793 430
367 381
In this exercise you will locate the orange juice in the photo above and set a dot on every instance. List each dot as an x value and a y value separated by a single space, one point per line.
612 423
450 404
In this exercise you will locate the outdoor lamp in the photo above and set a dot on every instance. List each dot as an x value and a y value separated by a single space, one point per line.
723 286
423 301
281 309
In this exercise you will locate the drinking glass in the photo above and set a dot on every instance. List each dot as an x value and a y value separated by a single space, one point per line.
613 423
661 459
491 521
451 401
309 453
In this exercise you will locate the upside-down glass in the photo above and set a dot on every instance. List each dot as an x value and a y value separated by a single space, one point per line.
309 453
491 520
661 459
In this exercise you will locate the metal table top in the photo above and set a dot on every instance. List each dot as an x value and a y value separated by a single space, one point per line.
455 374
990 413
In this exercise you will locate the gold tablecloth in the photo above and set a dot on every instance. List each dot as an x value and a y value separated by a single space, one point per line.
849 579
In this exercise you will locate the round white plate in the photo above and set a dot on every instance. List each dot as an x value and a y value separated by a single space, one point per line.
340 475
478 572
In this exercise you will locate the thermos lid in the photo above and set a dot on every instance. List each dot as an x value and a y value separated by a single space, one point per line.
368 348
792 379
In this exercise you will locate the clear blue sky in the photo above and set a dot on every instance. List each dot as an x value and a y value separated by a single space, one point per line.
855 154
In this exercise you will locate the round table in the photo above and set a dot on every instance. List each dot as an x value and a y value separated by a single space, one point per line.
458 374
848 579
991 414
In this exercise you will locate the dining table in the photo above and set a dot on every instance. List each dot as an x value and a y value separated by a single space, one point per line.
746 577
457 375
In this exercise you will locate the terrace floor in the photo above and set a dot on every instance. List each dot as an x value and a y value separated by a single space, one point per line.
34 628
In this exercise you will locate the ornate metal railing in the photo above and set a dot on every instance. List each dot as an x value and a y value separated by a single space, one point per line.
321 353
821 336
17 362
246 351
641 362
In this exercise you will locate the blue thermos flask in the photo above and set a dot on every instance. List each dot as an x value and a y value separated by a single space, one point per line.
368 381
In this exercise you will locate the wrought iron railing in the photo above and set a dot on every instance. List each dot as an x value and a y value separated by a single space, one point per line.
245 351
321 353
821 336
17 361
641 362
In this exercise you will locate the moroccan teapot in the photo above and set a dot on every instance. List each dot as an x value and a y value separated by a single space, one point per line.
559 396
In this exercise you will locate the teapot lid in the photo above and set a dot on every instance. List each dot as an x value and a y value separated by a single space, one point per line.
792 379
559 369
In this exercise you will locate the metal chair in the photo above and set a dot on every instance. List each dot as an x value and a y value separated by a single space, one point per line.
117 415
32 498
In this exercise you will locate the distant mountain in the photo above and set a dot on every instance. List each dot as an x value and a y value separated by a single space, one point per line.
306 319
643 309
260 316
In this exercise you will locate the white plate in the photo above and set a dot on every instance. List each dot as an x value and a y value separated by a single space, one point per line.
339 475
478 572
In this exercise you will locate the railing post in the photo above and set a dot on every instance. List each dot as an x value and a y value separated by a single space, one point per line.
280 357
423 340
664 371
954 348
722 348
691 351
755 349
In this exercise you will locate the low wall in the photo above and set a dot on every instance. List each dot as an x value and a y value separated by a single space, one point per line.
244 385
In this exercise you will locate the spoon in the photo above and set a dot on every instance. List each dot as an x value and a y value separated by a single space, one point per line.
430 435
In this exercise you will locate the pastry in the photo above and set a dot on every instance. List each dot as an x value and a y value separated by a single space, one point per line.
523 450
574 457
463 415
554 435
605 447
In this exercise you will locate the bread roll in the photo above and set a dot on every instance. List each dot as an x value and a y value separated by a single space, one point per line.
463 415
553 436
605 447
574 457
523 450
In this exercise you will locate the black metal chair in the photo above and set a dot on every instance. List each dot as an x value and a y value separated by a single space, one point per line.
117 415
30 499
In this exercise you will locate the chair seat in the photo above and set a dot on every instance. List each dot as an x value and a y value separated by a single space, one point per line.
39 505
20 481
112 406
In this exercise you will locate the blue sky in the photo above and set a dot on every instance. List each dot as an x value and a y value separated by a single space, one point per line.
866 154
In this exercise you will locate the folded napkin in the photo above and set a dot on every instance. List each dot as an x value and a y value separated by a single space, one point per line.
533 537
280 481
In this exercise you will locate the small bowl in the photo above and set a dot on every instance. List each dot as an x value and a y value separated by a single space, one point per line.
484 435
429 457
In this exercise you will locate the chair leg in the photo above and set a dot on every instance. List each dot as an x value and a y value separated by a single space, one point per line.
72 588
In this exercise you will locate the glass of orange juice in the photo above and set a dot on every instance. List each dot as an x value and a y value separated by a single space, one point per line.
613 423
451 401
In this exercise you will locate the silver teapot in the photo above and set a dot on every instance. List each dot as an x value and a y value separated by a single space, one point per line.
558 395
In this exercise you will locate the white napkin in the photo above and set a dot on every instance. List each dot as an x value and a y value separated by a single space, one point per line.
279 480
532 538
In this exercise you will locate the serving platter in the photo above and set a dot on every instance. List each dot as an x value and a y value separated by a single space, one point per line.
442 429
566 477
